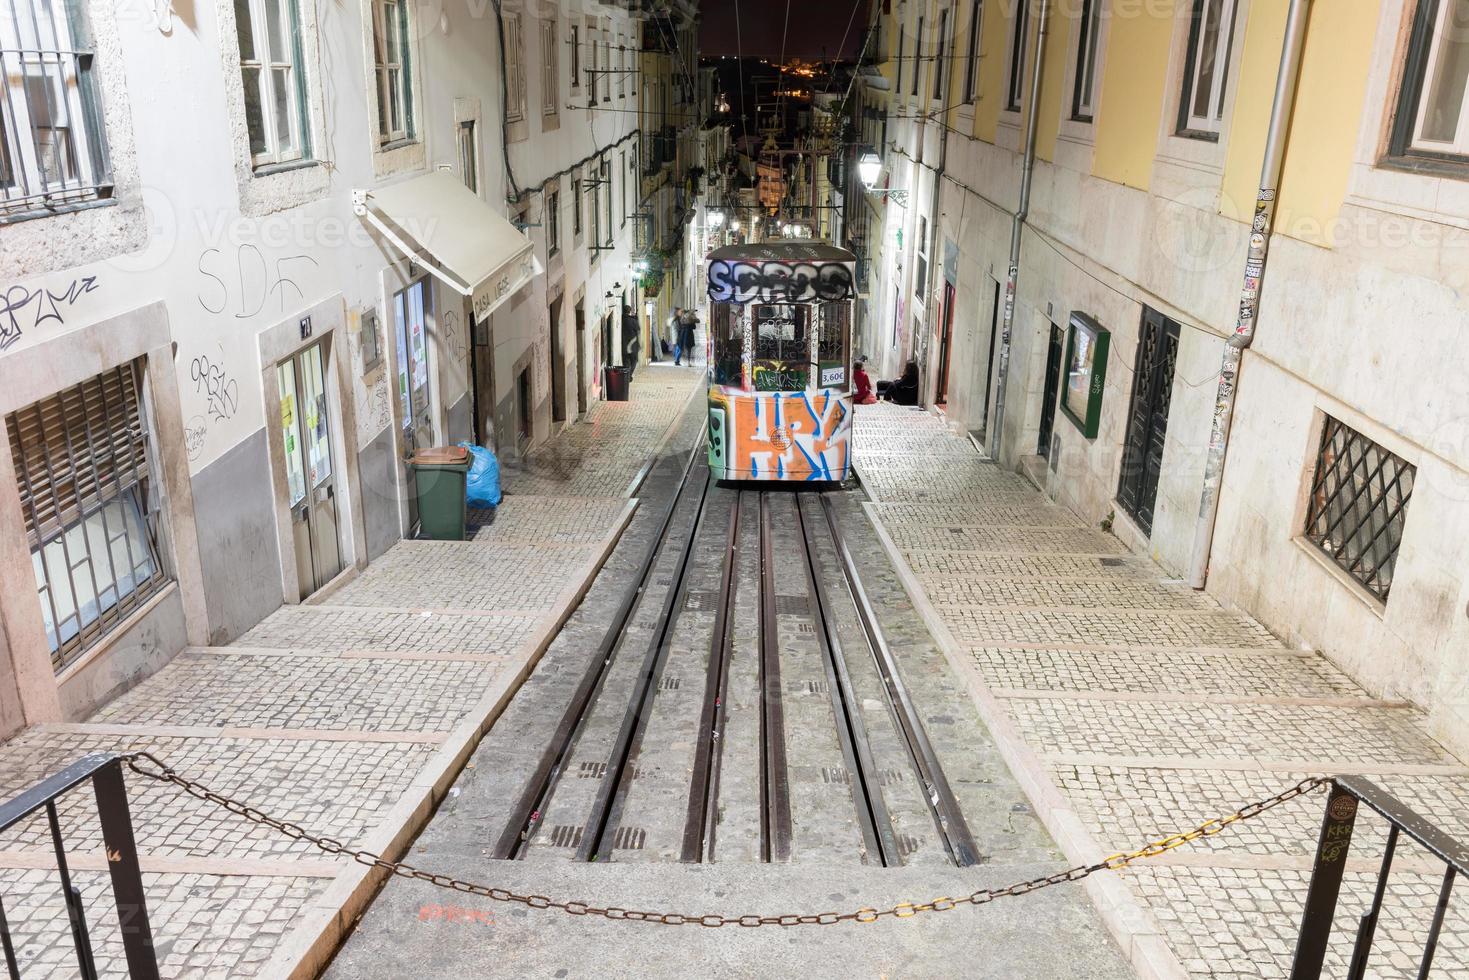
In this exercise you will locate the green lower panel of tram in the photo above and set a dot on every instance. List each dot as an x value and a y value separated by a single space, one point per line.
779 435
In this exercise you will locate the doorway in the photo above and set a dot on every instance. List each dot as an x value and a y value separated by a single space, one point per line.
522 410
306 435
946 334
581 358
1147 417
1050 393
412 308
989 368
558 366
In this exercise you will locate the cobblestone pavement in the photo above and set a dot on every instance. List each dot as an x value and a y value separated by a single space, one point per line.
1151 708
350 715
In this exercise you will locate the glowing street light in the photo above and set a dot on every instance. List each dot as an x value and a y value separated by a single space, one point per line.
716 218
869 167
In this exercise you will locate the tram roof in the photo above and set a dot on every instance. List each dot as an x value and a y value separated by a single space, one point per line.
782 251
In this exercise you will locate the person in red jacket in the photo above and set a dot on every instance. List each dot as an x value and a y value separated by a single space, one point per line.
861 383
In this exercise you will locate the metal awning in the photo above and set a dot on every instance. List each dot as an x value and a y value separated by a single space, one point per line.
445 227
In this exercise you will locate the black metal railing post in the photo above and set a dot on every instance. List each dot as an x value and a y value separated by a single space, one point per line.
127 877
1326 877
104 770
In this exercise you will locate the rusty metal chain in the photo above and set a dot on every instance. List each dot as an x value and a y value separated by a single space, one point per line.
1115 862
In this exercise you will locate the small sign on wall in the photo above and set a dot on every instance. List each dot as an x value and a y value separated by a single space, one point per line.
1087 342
372 351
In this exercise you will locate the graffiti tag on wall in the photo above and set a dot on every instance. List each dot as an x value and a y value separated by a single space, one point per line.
221 392
251 282
30 308
780 282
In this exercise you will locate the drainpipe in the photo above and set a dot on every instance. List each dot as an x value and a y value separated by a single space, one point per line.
1027 172
1249 305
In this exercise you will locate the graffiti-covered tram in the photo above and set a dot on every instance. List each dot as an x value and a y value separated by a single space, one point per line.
780 361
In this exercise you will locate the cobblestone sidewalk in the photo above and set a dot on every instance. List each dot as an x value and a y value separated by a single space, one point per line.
350 715
1135 707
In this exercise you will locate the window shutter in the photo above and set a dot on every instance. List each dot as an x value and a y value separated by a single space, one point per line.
77 449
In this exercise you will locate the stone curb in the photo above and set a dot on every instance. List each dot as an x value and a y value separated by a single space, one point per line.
1131 924
309 947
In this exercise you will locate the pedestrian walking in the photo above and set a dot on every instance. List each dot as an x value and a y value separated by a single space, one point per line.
632 344
688 323
672 325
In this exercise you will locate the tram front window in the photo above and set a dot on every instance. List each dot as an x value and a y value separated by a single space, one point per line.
782 347
729 345
833 344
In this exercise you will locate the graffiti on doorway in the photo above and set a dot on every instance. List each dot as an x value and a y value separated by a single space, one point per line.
380 405
796 435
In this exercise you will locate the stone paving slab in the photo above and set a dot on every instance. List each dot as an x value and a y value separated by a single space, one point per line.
261 692
1131 712
549 520
1221 673
204 926
461 575
346 629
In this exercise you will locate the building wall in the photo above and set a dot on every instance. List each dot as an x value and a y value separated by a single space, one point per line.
1361 313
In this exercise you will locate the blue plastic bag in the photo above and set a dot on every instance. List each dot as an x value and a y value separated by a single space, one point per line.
482 484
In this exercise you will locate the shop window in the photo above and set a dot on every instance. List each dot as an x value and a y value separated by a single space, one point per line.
1432 121
274 80
1358 505
53 150
82 468
391 41
1206 72
1083 90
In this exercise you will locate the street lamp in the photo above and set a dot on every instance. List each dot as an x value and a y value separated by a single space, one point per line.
868 168
716 218
734 225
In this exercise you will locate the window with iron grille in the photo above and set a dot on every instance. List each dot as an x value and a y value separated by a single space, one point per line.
53 149
81 463
1359 503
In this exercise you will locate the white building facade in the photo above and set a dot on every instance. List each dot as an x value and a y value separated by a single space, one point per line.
251 261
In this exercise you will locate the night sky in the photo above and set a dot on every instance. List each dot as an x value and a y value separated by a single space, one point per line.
814 33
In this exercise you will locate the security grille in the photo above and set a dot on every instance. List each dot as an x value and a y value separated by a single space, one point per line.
81 463
1359 501
52 148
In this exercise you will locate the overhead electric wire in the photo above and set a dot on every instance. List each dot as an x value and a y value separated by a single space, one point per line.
740 67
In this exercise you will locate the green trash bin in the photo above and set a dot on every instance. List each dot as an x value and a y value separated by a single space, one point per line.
438 478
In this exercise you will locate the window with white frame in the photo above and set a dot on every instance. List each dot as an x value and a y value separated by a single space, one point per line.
622 166
1206 71
607 65
594 77
275 84
1019 36
939 54
553 221
514 70
576 207
606 171
83 472
1084 86
574 43
53 150
917 57
550 69
902 49
1432 120
469 154
621 68
920 270
395 117
971 63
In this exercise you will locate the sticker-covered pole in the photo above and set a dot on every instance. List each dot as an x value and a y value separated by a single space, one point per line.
1261 227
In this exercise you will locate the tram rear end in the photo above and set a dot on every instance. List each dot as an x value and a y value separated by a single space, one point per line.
780 361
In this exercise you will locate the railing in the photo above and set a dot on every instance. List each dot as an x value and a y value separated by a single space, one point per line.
1347 792
104 771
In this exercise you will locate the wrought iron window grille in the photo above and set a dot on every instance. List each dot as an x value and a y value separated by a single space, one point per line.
1358 505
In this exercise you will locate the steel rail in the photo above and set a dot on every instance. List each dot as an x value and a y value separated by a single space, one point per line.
607 805
775 788
872 814
699 824
524 816
943 805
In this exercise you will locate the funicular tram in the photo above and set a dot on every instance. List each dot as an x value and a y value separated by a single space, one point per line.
780 371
